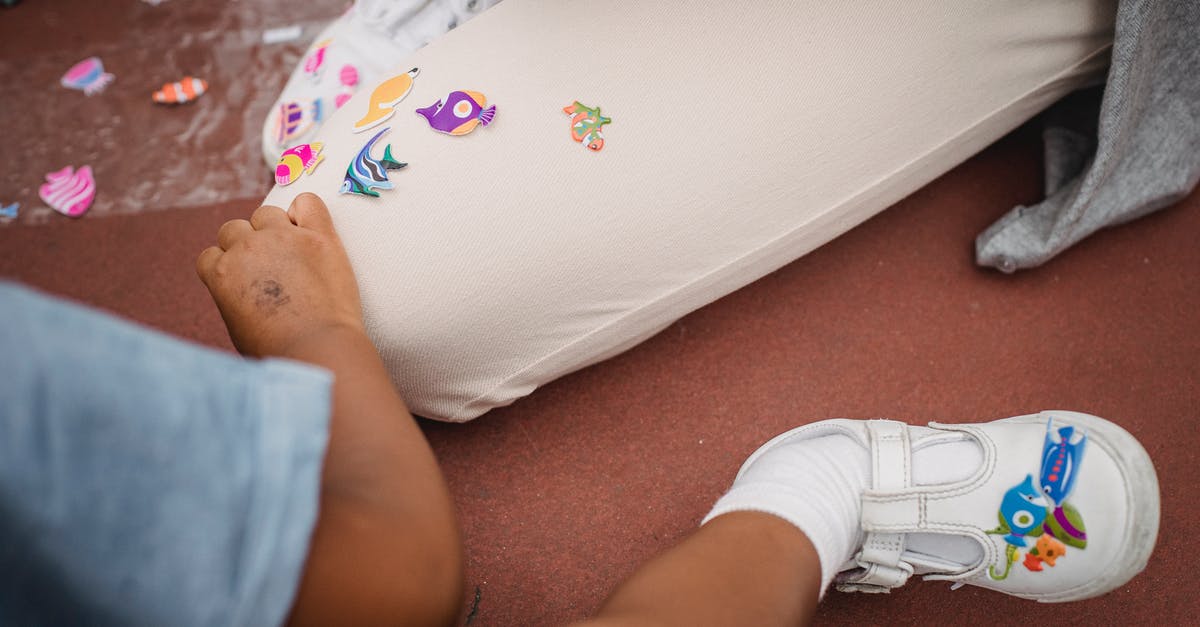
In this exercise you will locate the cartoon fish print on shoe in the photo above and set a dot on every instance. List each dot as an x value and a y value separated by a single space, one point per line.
365 174
459 113
1043 511
1022 511
1060 467
585 125
1060 457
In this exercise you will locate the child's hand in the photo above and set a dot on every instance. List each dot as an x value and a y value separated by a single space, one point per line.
281 278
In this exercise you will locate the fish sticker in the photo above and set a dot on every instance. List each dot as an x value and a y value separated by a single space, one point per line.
316 59
295 118
459 113
298 160
365 174
1059 466
9 212
1042 510
348 78
386 96
69 191
585 125
184 90
88 76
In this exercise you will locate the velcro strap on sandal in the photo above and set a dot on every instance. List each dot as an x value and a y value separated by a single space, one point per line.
891 455
880 567
876 578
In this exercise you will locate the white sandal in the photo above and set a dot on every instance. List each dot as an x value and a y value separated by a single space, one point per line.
1042 476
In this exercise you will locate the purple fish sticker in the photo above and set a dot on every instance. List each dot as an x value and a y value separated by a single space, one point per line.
459 113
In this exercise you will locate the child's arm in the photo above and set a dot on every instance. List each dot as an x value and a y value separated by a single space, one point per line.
386 547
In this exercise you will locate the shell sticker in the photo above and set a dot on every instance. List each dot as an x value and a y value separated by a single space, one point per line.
69 191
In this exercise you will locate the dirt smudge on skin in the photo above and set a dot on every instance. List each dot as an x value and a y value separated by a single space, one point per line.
269 296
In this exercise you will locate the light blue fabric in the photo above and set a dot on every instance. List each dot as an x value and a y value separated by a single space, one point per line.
148 481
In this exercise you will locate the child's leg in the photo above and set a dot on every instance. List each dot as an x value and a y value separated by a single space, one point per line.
742 137
744 568
1057 506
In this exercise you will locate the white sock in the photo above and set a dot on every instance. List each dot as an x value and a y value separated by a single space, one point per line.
816 484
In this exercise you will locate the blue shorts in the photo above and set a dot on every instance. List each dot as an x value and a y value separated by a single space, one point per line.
148 481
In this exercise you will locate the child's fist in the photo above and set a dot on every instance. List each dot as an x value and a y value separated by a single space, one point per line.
280 278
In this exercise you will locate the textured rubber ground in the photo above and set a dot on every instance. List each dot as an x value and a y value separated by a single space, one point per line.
565 493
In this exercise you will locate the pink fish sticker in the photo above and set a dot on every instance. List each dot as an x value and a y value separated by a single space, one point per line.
298 160
69 191
87 76
348 77
316 59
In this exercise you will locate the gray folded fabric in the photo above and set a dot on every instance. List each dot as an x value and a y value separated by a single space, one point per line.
1147 152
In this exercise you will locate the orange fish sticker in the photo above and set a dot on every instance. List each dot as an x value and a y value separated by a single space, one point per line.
386 96
186 89
586 123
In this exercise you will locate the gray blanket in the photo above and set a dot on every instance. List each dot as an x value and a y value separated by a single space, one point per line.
1144 156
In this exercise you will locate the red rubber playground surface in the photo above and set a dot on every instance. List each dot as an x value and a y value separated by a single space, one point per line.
564 493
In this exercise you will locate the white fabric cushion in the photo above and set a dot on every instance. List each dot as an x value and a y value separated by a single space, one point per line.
742 138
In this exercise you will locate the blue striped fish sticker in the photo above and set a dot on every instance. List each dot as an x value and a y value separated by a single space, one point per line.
365 174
